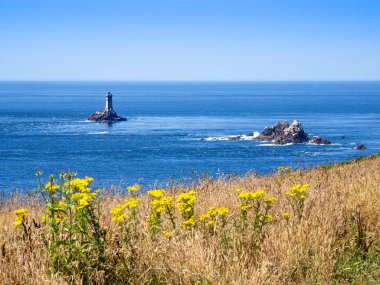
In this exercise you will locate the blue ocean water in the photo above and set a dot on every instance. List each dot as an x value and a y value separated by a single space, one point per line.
43 126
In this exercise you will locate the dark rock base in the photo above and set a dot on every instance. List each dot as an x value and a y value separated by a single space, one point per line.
106 117
318 140
361 147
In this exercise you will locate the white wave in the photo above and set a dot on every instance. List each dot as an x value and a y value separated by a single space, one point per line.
332 144
235 137
98 133
216 139
272 144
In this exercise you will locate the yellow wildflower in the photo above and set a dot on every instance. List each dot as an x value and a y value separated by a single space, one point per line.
118 213
78 184
163 204
250 196
189 223
244 207
157 193
222 211
213 214
286 215
133 188
298 190
270 200
21 212
83 199
185 203
20 215
132 203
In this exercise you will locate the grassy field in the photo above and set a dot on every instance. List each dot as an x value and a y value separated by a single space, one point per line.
320 226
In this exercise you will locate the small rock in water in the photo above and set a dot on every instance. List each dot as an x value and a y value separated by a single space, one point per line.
319 140
236 138
360 147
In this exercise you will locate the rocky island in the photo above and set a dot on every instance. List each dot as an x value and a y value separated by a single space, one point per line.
285 133
108 115
280 134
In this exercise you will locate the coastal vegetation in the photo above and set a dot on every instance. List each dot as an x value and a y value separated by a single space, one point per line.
318 226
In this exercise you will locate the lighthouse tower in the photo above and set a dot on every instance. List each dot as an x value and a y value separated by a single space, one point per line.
109 107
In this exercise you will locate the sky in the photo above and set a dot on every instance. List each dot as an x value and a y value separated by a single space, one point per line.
206 40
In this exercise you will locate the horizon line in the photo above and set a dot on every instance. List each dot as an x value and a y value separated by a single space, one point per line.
184 81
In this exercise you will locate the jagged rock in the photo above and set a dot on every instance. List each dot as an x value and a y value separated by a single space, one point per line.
360 147
105 117
108 115
235 138
319 140
283 133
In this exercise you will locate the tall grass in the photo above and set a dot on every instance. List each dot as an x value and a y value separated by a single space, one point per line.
331 235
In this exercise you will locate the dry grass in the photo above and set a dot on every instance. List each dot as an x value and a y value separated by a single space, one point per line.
324 248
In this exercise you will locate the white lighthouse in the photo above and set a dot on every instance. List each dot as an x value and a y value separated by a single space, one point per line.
108 115
109 107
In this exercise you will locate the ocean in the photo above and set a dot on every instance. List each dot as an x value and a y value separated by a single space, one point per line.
43 127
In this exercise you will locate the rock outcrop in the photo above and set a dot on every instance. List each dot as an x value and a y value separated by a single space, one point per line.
283 133
106 117
319 140
280 134
361 147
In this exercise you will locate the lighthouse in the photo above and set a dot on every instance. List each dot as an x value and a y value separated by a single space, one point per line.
109 107
108 115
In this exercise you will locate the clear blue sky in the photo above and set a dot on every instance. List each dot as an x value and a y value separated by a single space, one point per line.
189 40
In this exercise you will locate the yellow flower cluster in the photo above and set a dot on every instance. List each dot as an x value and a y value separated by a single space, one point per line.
250 199
189 223
251 196
78 184
133 188
163 204
257 206
21 214
185 205
74 194
118 212
132 203
83 199
160 204
213 214
298 190
51 188
157 193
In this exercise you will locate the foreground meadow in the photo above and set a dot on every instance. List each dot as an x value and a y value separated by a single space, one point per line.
320 226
